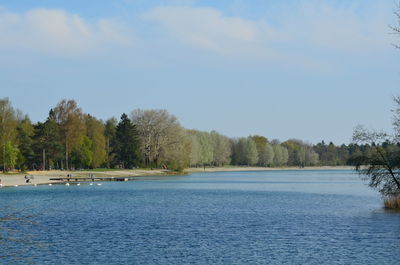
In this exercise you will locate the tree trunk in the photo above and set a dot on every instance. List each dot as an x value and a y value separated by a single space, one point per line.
66 154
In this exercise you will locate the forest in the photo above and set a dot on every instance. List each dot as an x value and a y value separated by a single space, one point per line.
71 139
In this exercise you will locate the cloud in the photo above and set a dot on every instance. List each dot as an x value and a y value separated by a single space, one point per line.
314 25
206 28
300 33
342 28
57 32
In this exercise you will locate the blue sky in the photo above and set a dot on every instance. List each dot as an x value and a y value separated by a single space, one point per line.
284 69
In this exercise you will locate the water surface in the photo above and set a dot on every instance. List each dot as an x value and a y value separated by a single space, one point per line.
271 217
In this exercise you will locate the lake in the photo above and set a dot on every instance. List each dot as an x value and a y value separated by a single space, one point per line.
268 217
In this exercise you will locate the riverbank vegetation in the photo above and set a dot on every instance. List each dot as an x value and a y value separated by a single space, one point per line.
380 167
71 139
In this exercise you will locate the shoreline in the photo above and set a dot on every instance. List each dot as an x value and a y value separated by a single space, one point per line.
43 177
243 168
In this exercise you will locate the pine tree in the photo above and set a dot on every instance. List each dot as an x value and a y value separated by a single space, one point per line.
47 143
126 143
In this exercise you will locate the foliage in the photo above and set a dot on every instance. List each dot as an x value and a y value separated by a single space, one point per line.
266 157
96 133
153 138
281 155
246 150
82 156
47 140
261 143
221 149
159 131
109 133
72 127
24 134
11 155
8 125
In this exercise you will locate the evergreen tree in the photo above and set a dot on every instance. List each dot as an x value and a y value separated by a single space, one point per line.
47 144
126 143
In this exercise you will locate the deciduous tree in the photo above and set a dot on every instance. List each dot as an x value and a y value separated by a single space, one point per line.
95 130
72 126
158 131
8 125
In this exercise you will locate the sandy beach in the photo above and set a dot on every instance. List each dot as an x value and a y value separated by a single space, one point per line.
43 177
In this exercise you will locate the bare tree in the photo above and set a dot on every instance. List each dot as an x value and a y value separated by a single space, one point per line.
159 131
381 167
396 29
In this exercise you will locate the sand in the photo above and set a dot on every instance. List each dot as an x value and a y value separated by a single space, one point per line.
43 177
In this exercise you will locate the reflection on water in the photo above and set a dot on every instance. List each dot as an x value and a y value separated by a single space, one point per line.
285 217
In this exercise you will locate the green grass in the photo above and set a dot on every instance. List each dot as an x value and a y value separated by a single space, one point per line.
13 173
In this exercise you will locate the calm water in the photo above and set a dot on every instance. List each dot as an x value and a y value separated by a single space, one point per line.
285 217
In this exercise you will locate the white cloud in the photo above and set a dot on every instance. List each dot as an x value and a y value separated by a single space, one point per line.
301 34
206 28
57 32
309 25
346 28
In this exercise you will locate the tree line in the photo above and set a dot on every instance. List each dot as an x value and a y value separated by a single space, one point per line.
72 139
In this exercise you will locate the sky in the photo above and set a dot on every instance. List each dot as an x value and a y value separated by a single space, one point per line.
311 70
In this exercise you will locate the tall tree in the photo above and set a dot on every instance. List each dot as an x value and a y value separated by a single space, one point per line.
177 156
127 143
72 126
8 124
221 149
11 155
96 133
195 159
25 132
82 156
109 132
266 157
158 130
380 166
47 144
261 143
281 155
247 151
